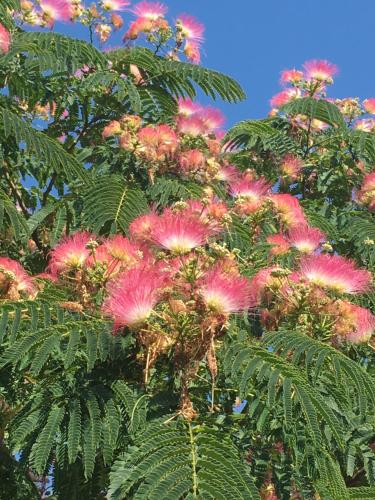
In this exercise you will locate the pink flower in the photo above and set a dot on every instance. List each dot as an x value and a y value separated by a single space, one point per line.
252 189
365 125
56 10
190 28
224 293
150 10
186 107
14 281
320 70
4 40
369 105
280 245
291 76
212 118
157 143
284 97
140 228
113 128
71 253
122 249
191 160
363 325
291 166
228 173
115 4
191 125
133 296
288 209
335 273
305 239
366 195
192 52
179 233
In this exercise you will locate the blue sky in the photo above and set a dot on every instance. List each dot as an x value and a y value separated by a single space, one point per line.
253 40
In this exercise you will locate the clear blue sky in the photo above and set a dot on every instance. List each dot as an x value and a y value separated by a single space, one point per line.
253 40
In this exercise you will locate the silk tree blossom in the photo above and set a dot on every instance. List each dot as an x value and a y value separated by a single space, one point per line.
187 107
291 166
252 189
366 194
115 4
225 293
305 239
284 97
150 10
365 125
56 10
14 281
320 70
212 118
335 273
191 125
141 227
179 233
192 52
123 250
279 244
133 296
190 29
4 40
369 105
352 323
288 209
292 76
71 253
363 325
157 143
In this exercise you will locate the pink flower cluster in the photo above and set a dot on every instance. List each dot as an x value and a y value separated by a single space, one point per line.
184 36
158 263
15 283
311 293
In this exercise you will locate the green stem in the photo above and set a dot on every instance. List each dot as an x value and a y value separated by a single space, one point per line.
194 461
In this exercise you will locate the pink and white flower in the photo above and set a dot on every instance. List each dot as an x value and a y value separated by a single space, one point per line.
56 10
71 253
179 233
320 70
305 239
133 296
291 76
225 293
335 273
150 10
14 281
190 28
